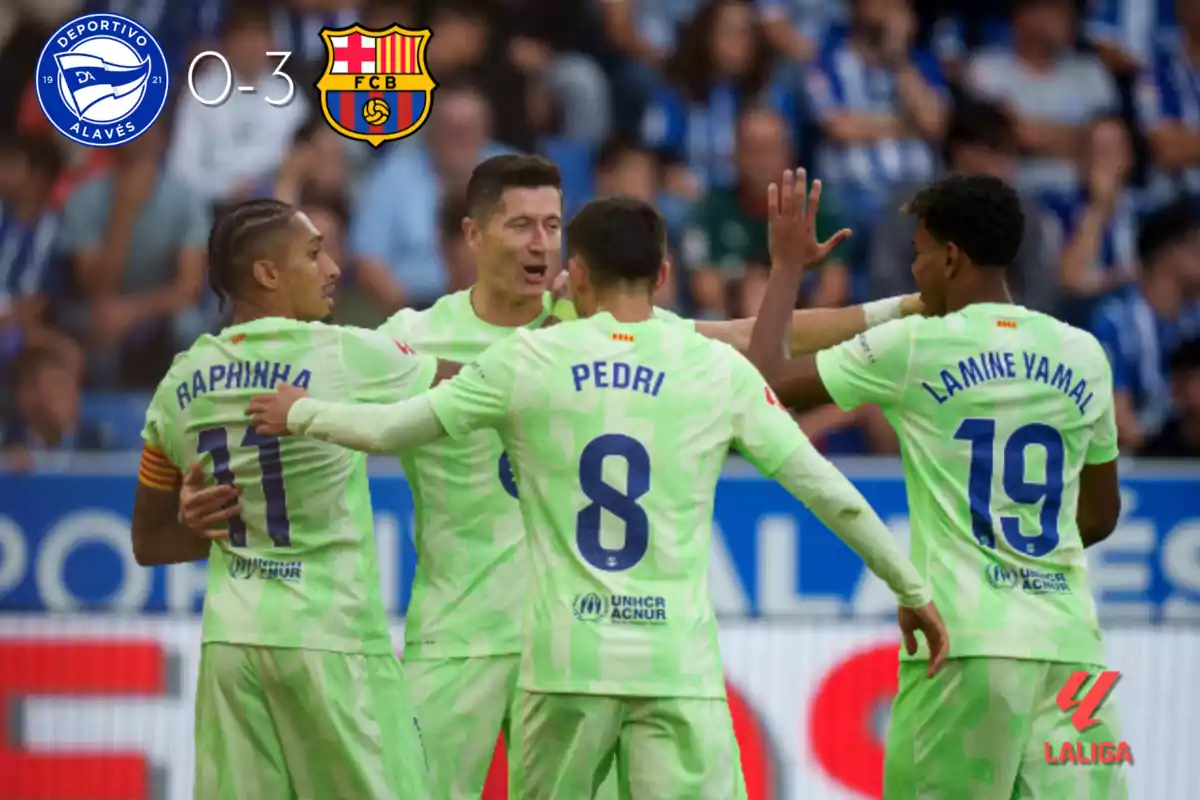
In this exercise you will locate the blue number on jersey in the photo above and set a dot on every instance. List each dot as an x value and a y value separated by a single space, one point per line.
981 433
506 477
215 441
622 505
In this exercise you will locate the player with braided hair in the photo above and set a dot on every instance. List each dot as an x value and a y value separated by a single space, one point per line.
300 693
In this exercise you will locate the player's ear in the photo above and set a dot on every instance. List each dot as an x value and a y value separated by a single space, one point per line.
472 232
664 273
953 257
266 274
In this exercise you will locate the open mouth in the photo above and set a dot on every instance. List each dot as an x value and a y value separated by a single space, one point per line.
329 291
535 272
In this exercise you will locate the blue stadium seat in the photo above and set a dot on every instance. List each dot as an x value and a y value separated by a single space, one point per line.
118 415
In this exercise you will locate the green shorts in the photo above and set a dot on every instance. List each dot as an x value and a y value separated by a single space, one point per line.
564 745
979 730
275 722
465 705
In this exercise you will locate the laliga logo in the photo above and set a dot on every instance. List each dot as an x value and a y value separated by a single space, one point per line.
102 80
1083 717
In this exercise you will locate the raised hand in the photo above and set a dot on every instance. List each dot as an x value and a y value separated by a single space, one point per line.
269 412
792 224
205 510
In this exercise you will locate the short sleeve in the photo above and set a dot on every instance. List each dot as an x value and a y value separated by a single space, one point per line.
870 368
380 369
480 395
157 470
1102 446
763 431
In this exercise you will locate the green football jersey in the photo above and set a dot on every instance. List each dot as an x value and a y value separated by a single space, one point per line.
617 435
998 409
299 567
467 596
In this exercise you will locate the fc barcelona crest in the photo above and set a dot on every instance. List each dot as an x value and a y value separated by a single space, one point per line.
376 86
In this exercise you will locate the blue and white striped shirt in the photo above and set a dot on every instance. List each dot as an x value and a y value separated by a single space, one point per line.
703 136
841 81
1140 345
27 255
1135 26
1170 92
1118 248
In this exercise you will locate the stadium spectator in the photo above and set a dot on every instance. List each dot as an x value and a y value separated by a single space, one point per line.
1141 327
456 253
546 43
724 245
643 34
394 229
1168 103
1180 438
468 45
48 412
224 151
1096 230
316 164
296 27
378 14
1053 92
1126 33
880 102
723 64
134 238
182 28
29 166
794 27
981 139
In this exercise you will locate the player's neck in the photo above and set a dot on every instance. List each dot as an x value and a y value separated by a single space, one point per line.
625 307
504 310
984 288
249 310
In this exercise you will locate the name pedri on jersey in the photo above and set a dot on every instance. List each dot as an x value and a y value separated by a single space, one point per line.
617 434
299 567
468 591
998 409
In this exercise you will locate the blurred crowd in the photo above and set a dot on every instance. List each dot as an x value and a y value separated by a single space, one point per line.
1093 111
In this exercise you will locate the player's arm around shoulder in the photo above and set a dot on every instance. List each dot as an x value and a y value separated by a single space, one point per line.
1099 482
158 533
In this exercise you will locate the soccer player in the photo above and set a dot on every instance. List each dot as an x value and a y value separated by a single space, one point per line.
463 630
300 693
1005 418
618 427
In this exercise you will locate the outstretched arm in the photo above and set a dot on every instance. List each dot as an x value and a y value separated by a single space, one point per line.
389 428
814 329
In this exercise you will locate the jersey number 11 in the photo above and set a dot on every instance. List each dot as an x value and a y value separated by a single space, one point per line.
215 442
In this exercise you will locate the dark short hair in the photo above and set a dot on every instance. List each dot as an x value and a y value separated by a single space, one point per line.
1164 228
981 123
491 178
981 214
616 149
450 216
40 151
235 239
620 239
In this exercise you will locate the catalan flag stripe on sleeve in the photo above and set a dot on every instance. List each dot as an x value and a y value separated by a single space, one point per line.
157 471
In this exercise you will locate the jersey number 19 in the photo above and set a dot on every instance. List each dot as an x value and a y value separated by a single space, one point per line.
981 433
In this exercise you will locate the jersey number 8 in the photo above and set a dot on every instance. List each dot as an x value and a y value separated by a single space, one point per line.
215 441
981 433
622 505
